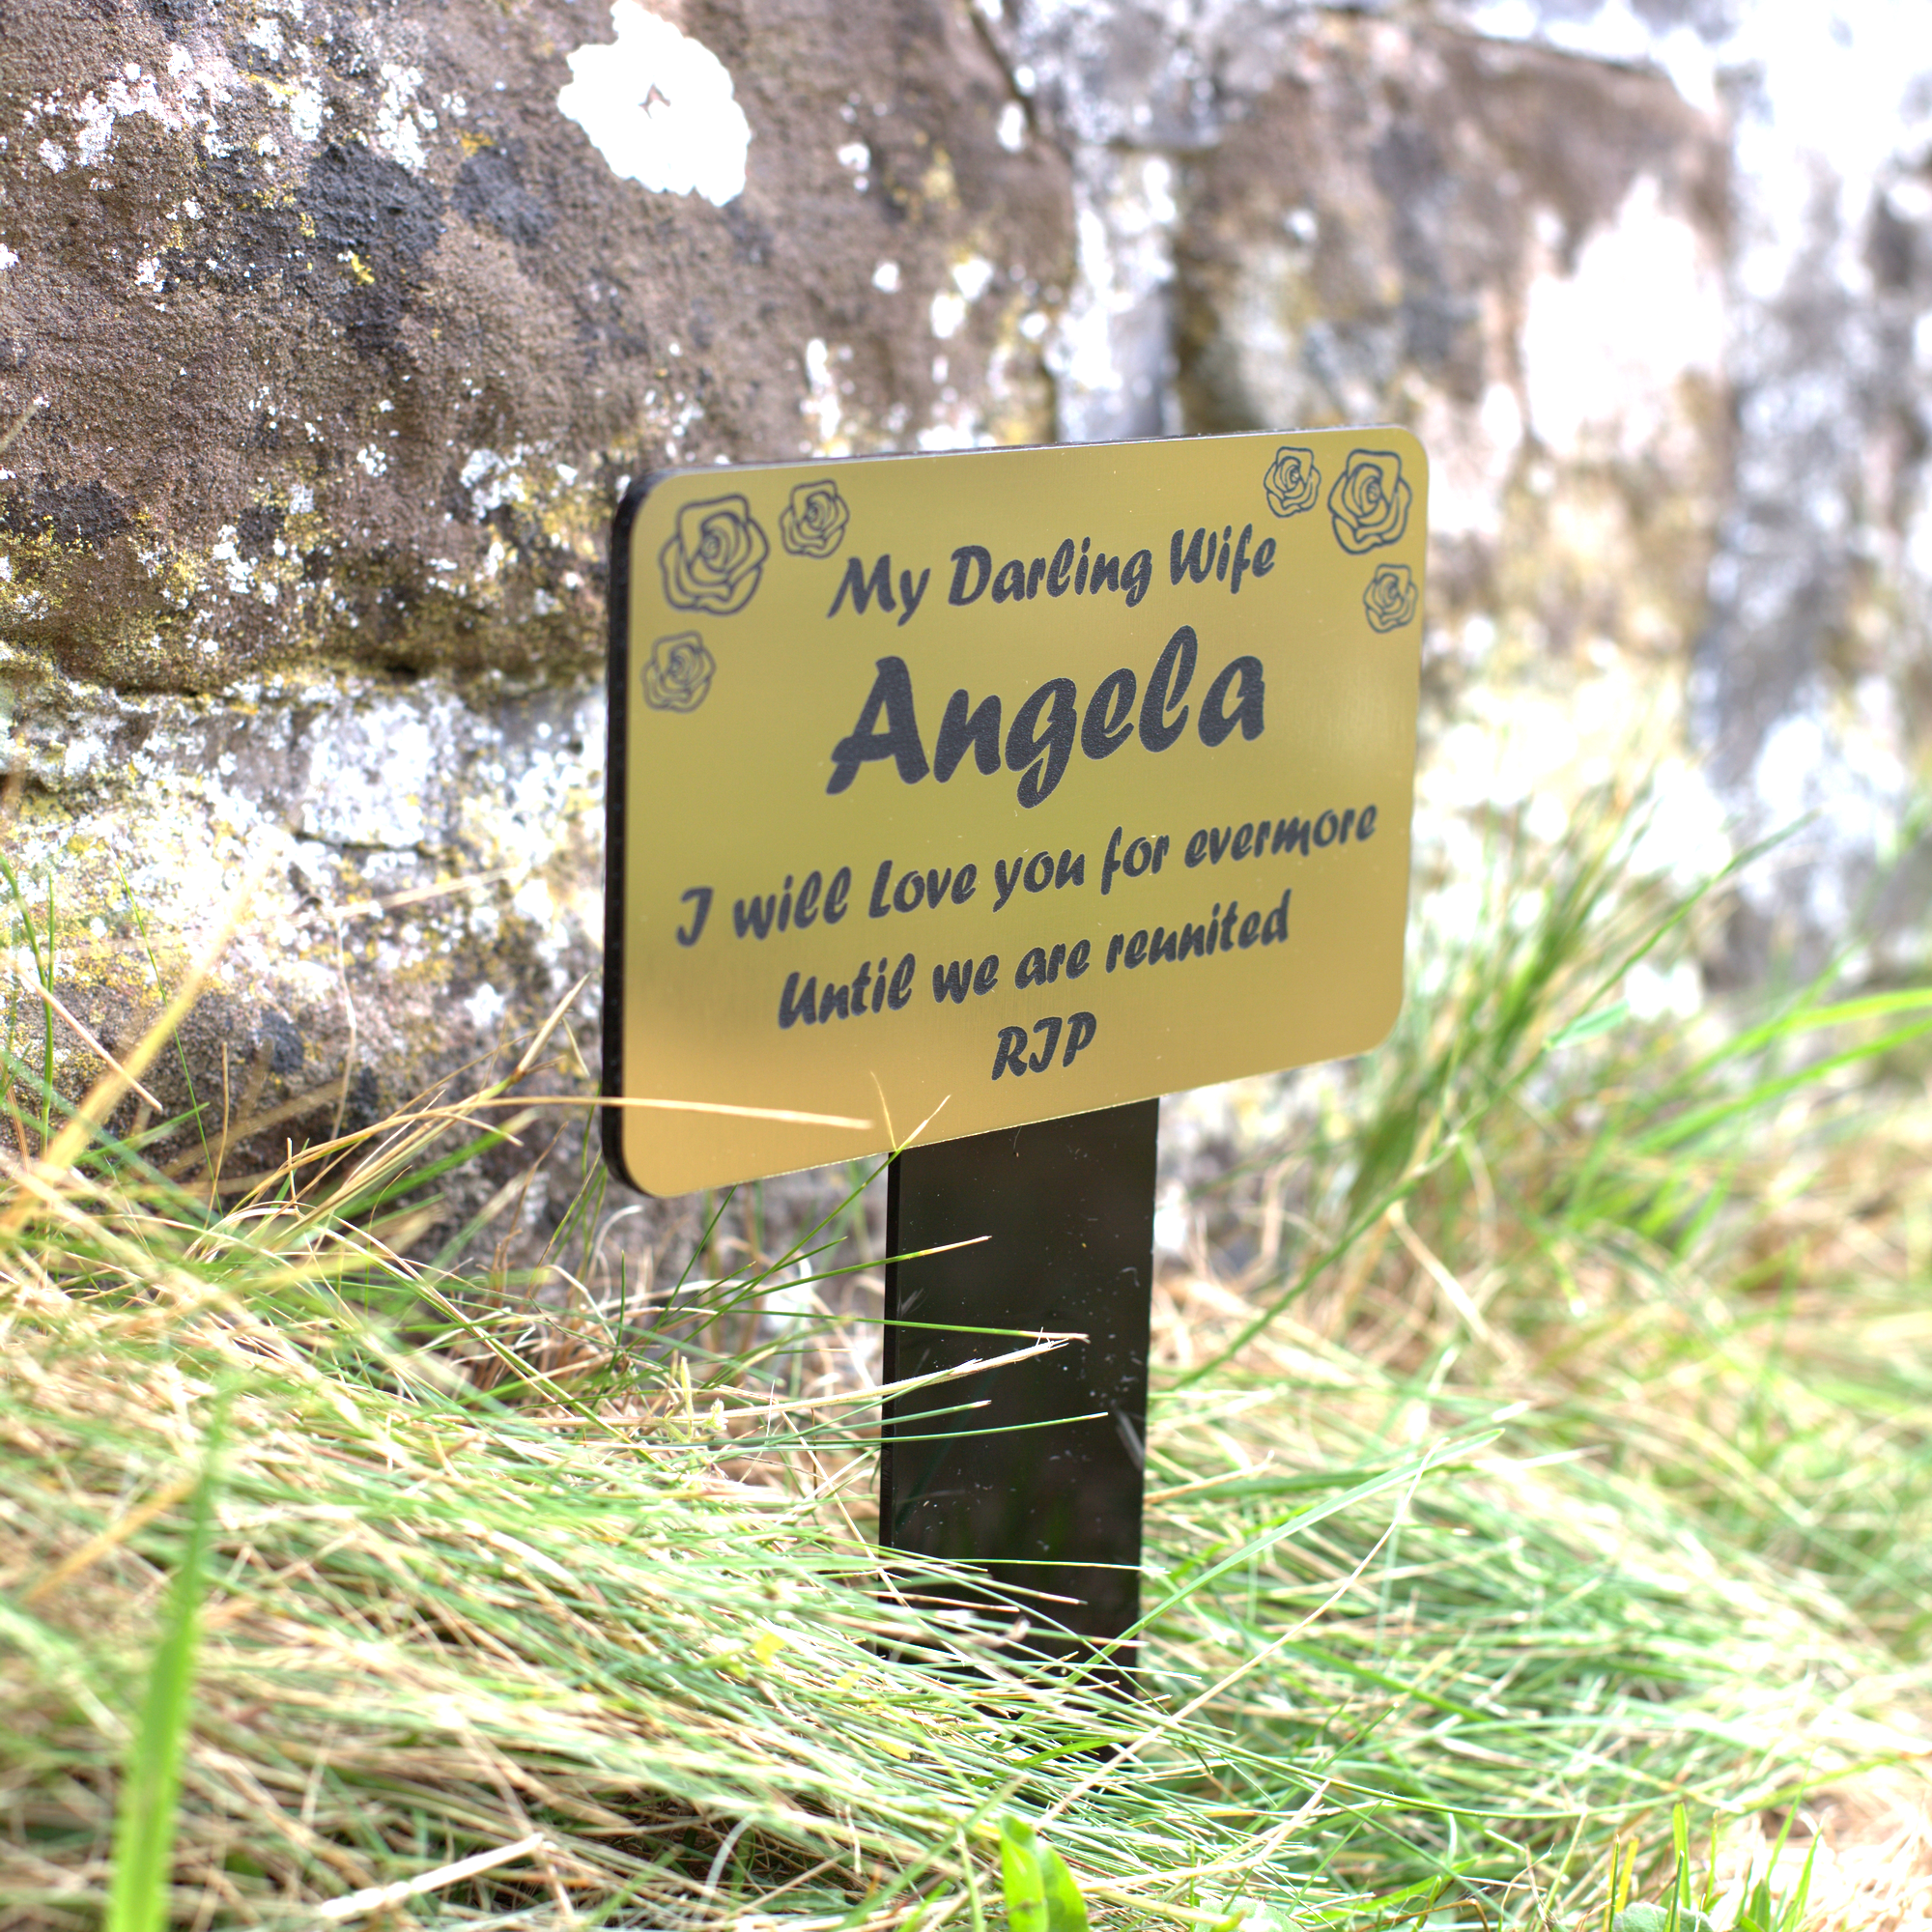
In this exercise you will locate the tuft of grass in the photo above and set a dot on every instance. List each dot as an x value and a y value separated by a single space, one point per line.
1684 1265
1692 1905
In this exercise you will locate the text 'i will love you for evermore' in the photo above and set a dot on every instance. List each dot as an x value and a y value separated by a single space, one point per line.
1245 906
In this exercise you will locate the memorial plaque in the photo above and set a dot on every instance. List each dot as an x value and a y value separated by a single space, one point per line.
1002 785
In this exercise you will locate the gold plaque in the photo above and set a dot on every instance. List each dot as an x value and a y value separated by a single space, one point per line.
978 789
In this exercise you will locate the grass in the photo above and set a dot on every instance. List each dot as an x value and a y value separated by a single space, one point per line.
146 1811
1538 1478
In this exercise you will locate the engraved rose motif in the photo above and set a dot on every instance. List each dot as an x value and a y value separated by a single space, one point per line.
814 522
1390 598
1369 503
1293 481
679 674
714 559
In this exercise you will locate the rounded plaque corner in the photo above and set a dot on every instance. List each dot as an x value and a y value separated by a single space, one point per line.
617 1161
1415 445
636 491
1385 1032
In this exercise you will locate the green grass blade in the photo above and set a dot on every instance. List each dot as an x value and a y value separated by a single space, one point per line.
144 1821
1020 1877
1066 1908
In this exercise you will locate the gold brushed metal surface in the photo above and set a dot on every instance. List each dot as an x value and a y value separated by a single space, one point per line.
788 649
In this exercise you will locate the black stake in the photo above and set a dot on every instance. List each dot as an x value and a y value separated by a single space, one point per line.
1037 1501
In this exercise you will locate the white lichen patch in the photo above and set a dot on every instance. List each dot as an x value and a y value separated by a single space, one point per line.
493 479
948 314
1110 351
306 108
858 157
1605 348
822 407
400 122
485 1007
183 100
950 432
973 277
239 571
659 106
1829 775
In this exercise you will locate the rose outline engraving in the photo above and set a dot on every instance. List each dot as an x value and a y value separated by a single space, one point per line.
1293 481
814 522
713 559
678 676
1389 601
1369 503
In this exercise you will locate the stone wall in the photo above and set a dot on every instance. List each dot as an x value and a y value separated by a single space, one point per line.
1653 281
330 332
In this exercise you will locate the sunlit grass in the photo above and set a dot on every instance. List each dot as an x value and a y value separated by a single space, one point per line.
1538 1446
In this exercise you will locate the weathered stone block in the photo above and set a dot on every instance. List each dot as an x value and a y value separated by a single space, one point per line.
1517 253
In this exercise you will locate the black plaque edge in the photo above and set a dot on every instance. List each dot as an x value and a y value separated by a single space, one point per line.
616 795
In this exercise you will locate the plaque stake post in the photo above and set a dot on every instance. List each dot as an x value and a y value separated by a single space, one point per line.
1040 1489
